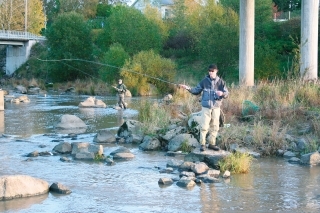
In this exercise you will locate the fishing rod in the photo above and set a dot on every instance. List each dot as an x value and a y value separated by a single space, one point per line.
103 64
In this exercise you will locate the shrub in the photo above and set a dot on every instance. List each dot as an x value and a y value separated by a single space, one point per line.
149 68
236 163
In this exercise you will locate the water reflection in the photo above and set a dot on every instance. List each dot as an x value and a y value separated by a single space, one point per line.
210 201
120 118
21 203
42 114
1 122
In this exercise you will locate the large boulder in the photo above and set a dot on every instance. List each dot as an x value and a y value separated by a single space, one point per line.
23 99
18 186
86 151
21 89
105 136
176 142
210 157
130 131
71 124
150 144
63 148
93 102
128 128
173 132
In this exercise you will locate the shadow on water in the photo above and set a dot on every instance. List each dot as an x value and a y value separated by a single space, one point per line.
273 185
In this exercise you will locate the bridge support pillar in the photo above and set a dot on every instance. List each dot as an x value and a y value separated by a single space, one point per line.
17 55
309 39
246 43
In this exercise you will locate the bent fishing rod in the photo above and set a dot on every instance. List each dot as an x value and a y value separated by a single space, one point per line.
103 64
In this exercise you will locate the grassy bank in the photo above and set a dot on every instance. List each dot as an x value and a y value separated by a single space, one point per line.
260 117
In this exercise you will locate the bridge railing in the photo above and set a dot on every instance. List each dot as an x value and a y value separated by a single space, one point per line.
11 34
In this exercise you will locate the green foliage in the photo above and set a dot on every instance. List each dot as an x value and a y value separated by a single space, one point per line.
236 163
276 45
115 59
104 10
218 40
68 39
263 13
234 5
267 65
153 14
147 68
132 30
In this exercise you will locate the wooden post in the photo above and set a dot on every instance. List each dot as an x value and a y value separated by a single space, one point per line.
246 43
309 39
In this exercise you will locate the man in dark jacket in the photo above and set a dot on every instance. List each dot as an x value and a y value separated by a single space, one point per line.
121 88
213 90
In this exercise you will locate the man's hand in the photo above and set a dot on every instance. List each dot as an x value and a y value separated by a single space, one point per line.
219 93
115 88
184 86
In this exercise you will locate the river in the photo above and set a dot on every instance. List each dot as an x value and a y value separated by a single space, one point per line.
272 185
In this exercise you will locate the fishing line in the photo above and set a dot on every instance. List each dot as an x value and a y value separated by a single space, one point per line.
102 64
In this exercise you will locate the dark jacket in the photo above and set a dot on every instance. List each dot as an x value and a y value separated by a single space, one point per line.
121 88
208 87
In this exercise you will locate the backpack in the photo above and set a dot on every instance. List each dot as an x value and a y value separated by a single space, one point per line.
221 119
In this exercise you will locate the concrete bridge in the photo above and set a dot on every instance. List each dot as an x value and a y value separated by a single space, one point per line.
18 45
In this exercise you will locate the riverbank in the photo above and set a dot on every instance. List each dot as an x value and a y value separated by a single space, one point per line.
269 117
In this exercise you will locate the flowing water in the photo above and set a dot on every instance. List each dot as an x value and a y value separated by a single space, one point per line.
273 185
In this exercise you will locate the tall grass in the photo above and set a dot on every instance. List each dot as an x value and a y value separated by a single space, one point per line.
154 117
236 163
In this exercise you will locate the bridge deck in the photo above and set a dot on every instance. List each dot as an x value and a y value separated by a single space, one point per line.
9 35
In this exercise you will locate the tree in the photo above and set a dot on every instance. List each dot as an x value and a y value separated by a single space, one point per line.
148 68
154 16
36 16
218 38
130 28
115 59
69 38
181 28
12 15
52 8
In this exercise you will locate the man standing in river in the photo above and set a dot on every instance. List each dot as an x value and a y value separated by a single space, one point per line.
121 88
213 90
